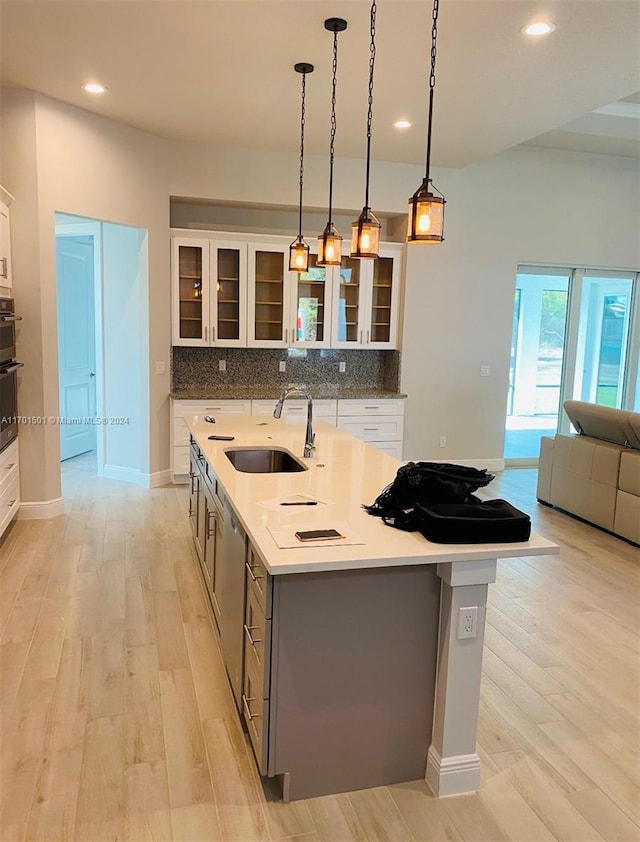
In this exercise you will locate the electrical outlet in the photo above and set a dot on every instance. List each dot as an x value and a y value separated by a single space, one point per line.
160 368
222 365
485 371
342 367
443 441
467 622
283 365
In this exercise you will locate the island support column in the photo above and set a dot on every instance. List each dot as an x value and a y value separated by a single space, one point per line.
453 766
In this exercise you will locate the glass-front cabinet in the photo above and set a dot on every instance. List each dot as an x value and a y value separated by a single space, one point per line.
312 301
241 293
190 292
269 289
365 311
228 294
209 292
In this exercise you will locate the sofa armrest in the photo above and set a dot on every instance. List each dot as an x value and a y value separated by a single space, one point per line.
545 467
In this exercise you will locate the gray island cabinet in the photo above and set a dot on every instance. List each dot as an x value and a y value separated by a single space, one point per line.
345 661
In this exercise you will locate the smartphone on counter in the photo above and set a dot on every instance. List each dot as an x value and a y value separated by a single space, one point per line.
319 535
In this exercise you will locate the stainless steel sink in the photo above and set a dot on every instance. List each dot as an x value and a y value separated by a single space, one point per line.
262 460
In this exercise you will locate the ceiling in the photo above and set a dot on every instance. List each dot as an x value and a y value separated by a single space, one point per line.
221 71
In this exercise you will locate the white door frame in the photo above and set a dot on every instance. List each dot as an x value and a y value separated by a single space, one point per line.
93 230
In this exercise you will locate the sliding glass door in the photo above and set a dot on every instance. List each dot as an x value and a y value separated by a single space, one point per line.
537 356
576 334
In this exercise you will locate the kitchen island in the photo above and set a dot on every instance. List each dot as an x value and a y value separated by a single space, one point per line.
345 660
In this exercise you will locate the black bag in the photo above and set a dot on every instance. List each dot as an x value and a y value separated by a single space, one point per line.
483 522
424 483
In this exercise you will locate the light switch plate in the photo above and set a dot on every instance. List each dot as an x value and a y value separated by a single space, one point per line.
160 368
283 365
222 365
342 367
485 371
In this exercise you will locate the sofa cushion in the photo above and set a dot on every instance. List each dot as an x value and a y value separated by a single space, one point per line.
603 422
629 479
627 521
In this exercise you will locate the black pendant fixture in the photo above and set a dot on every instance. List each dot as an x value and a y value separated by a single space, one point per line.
299 250
365 231
426 207
330 241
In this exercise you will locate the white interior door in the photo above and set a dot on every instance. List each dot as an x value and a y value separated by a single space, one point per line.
76 345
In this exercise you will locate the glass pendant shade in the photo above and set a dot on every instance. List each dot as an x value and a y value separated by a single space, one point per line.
426 216
329 247
298 256
365 235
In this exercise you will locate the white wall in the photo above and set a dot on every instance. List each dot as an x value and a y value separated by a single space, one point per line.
524 206
57 157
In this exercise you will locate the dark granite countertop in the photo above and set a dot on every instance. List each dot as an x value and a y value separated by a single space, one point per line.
265 392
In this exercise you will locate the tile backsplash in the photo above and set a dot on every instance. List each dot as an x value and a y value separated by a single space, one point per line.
198 368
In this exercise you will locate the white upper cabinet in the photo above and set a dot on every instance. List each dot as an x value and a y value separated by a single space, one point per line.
228 298
241 293
269 290
5 240
209 280
312 301
366 301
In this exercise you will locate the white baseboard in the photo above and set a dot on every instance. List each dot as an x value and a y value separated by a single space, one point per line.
492 465
126 475
138 477
452 775
160 478
41 509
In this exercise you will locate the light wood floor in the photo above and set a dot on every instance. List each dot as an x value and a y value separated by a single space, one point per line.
118 724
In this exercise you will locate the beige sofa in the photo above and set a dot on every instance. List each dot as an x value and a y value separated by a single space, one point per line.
596 473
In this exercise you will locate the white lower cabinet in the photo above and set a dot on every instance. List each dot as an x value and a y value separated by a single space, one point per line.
380 423
180 432
9 485
293 408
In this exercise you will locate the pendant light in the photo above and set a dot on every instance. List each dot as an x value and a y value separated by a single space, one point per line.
330 241
426 209
365 231
299 250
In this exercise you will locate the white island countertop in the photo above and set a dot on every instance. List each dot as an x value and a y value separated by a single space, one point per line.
343 472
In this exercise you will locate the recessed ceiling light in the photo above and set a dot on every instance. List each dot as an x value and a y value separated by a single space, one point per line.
94 88
402 124
539 27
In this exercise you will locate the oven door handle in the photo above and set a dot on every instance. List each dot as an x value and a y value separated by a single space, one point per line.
5 371
10 318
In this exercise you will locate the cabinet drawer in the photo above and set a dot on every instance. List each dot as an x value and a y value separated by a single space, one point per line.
393 448
256 714
181 460
373 429
360 407
259 582
8 466
223 407
257 642
321 408
9 501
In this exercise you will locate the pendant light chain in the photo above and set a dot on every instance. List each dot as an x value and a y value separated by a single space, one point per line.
333 122
432 80
302 123
372 62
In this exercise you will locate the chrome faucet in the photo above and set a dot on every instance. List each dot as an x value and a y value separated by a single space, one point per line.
277 412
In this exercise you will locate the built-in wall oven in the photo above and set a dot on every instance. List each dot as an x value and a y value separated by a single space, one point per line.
8 373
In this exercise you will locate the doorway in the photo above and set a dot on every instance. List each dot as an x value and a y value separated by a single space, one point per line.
78 281
576 335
